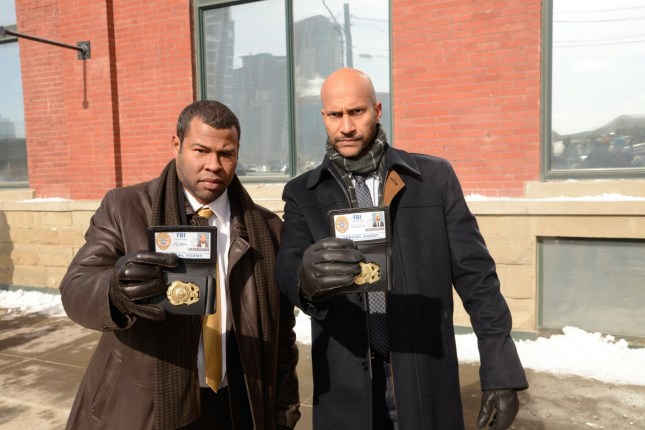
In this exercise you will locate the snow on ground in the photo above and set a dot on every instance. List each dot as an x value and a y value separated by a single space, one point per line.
575 352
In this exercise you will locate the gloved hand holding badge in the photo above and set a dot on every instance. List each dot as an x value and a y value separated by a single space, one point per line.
136 278
328 266
189 287
368 229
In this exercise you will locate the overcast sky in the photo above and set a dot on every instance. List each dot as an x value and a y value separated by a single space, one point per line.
598 62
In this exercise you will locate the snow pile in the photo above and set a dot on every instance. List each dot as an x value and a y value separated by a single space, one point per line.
575 352
31 301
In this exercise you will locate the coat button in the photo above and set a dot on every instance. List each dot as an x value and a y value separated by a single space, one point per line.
364 365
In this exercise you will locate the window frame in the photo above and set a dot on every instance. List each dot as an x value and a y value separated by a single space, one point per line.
546 170
203 5
199 6
542 290
4 185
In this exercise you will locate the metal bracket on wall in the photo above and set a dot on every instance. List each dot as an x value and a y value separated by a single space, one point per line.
83 47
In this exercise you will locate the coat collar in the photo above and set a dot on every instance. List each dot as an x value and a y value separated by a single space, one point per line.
395 159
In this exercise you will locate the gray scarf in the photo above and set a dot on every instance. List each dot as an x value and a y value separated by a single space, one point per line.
370 162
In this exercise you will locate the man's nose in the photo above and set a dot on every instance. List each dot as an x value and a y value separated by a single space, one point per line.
347 125
212 162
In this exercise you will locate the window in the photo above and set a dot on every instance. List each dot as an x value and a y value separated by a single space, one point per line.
592 284
13 151
594 124
267 59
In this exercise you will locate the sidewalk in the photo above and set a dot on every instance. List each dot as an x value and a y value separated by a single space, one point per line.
42 361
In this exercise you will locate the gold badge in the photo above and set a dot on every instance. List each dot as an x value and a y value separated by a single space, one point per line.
370 273
342 224
182 293
163 241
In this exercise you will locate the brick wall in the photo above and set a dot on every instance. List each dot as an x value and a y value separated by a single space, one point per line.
466 87
154 59
107 121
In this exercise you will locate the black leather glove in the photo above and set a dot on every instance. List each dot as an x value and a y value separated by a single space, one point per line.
327 266
504 403
135 278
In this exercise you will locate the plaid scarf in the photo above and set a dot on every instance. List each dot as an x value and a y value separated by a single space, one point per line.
176 396
370 162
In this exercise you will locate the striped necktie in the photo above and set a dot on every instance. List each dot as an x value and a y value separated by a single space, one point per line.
377 319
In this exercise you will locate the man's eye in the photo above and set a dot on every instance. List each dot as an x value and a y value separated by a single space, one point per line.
355 112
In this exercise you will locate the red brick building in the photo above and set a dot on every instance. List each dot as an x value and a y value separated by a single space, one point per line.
518 95
465 85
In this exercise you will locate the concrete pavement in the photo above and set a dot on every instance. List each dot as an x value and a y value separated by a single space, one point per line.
42 361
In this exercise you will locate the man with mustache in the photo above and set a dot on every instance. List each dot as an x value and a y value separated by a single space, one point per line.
388 360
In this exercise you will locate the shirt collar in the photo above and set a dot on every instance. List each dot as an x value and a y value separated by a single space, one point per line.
220 206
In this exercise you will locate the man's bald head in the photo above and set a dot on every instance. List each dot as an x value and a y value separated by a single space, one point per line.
340 79
350 112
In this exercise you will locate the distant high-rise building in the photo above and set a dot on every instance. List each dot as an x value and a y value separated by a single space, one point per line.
261 103
7 128
318 46
219 39
318 51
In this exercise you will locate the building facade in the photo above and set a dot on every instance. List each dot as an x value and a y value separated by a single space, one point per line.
482 84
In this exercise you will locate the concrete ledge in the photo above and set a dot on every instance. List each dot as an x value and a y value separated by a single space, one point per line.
49 205
14 194
587 187
607 206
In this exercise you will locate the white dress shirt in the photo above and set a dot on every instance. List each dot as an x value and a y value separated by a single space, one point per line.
221 219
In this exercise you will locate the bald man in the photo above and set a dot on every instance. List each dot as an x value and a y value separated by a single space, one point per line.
387 360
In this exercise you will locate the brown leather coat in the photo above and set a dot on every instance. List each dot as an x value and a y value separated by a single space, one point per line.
117 390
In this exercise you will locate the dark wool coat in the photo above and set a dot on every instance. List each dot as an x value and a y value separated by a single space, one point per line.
117 391
436 244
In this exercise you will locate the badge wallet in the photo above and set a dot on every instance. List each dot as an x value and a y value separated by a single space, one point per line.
371 234
191 286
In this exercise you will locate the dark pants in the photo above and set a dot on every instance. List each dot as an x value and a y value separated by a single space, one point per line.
384 405
228 409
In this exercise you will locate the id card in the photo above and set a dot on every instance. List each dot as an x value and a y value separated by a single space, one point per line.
369 228
361 225
197 244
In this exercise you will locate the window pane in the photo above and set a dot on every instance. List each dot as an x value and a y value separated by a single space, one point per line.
249 74
598 90
329 35
596 285
13 153
7 12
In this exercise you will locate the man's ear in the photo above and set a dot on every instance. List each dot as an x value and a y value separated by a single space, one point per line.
378 108
176 144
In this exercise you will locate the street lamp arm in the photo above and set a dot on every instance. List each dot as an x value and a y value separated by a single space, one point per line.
83 48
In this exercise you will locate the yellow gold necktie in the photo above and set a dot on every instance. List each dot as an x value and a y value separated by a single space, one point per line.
211 329
205 212
212 336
